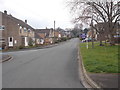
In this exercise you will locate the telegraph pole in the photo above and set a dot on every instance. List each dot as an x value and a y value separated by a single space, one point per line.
54 31
54 25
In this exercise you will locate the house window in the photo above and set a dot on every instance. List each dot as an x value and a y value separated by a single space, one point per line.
10 39
2 27
2 40
25 30
29 30
20 29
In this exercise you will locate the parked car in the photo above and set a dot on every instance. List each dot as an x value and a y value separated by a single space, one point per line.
87 40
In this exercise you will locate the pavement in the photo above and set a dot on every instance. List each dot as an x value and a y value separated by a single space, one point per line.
105 80
98 80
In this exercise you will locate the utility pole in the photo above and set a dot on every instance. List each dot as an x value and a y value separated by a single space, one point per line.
54 31
54 25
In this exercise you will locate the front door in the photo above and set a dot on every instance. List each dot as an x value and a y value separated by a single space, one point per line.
10 41
26 41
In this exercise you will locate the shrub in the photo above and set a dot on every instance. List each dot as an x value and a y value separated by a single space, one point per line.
31 42
56 41
63 39
21 47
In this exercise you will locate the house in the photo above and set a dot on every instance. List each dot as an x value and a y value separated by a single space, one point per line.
46 35
91 34
103 33
39 38
15 32
62 33
69 34
58 35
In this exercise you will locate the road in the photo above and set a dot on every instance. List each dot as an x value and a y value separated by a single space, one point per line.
55 67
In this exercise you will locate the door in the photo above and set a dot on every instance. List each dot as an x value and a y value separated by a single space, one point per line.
10 41
26 41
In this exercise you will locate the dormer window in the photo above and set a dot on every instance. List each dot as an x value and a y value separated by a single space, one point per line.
2 27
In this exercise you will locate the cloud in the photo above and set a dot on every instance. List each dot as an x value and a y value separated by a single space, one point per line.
43 12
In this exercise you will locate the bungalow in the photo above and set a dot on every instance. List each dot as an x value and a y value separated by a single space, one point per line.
15 32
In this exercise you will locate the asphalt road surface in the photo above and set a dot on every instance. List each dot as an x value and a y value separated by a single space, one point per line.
55 67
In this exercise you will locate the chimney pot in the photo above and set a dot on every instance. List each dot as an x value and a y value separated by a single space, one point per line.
25 21
5 11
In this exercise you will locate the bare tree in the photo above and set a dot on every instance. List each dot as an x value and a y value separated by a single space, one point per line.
105 11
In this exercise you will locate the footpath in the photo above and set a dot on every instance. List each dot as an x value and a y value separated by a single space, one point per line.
105 80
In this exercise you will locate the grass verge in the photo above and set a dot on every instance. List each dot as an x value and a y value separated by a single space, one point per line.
100 59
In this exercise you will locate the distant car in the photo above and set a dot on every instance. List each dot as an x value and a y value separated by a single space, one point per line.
87 40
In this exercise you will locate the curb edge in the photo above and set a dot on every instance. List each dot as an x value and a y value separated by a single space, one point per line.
9 57
85 79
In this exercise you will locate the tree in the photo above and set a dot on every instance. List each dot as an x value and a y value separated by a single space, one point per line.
77 30
86 30
107 12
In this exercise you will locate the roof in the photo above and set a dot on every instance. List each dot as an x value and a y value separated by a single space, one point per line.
117 25
38 36
18 21
46 31
43 30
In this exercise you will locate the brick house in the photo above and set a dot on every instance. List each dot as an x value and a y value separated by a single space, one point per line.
46 35
58 35
89 34
15 32
39 38
104 34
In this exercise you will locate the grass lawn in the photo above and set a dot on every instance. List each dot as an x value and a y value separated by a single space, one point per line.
101 59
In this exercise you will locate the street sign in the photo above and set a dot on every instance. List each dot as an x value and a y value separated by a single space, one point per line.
83 36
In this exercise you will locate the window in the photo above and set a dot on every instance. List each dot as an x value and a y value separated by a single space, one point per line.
20 29
2 40
29 30
2 27
10 39
25 30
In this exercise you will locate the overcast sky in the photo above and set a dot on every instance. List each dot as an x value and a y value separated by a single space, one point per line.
39 13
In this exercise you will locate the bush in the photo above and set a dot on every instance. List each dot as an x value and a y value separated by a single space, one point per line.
31 42
21 47
56 41
63 39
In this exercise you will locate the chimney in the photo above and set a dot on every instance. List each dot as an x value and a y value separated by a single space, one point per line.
26 21
5 12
